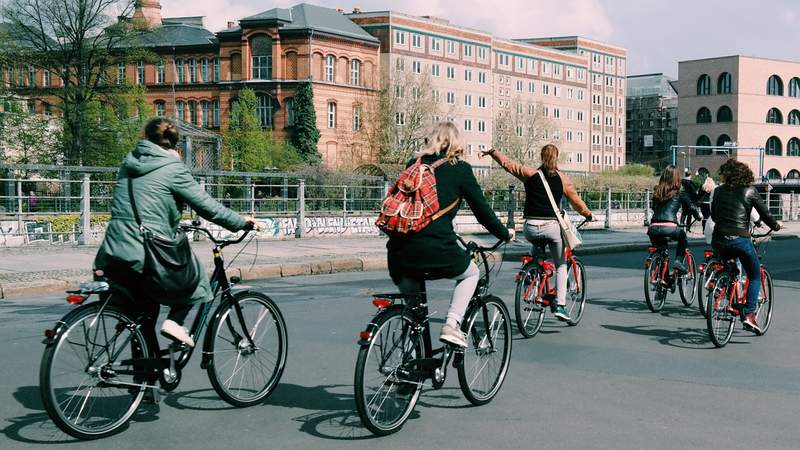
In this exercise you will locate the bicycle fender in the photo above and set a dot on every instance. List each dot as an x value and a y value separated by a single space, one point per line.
372 326
60 324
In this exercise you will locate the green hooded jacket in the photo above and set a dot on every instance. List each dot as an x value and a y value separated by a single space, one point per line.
162 185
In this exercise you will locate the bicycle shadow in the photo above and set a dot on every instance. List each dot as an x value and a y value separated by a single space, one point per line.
637 306
688 338
37 428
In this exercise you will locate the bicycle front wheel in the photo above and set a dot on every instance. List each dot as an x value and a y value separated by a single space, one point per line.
705 286
488 353
576 292
385 395
242 373
720 320
654 293
765 302
529 313
87 379
687 283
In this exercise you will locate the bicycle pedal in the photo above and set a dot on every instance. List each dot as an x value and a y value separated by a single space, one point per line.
536 308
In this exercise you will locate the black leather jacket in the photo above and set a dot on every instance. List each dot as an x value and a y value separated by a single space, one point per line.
730 209
667 211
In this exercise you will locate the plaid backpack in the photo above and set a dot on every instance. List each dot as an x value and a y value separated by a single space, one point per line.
412 202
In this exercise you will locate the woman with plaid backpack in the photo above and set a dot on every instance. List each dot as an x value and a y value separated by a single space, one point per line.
433 252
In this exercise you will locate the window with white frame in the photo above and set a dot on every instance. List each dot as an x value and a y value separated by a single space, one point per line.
468 100
290 111
399 91
482 77
580 94
467 75
121 72
416 66
546 89
519 130
331 115
467 124
436 44
416 40
193 70
160 72
557 70
451 73
400 64
581 74
216 71
481 52
596 99
519 85
503 59
580 116
595 119
330 65
355 72
531 109
531 87
569 135
435 70
579 157
435 94
580 138
451 47
546 111
595 79
556 91
204 73
357 111
161 109
140 73
400 118
545 67
451 98
481 126
570 93
468 50
570 114
520 63
570 73
481 102
556 113
399 37
519 108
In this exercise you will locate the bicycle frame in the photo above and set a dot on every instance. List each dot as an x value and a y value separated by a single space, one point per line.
569 257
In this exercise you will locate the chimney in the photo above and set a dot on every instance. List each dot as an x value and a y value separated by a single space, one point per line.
231 25
148 11
356 10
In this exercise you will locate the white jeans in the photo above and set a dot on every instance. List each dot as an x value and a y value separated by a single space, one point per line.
462 294
550 232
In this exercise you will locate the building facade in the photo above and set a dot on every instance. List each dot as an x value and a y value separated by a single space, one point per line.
745 102
652 119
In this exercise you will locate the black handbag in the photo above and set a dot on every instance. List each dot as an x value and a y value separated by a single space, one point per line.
170 272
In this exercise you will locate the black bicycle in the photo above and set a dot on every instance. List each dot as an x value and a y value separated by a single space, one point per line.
100 359
396 355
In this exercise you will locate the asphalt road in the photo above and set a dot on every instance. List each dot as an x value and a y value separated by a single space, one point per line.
624 378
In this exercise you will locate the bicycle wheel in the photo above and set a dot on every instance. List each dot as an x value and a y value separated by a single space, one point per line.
529 314
705 285
241 374
83 387
765 302
687 283
720 321
384 399
576 292
488 353
654 293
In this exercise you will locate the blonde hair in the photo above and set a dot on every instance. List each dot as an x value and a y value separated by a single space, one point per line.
444 139
549 157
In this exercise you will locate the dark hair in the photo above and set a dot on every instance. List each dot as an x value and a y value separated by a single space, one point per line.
669 185
736 173
161 131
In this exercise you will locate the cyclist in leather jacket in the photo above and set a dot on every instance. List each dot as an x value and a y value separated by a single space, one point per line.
730 208
668 199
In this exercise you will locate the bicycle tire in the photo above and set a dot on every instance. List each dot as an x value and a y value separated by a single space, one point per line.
766 300
687 284
704 287
412 347
720 322
576 293
127 397
478 345
655 299
269 353
528 314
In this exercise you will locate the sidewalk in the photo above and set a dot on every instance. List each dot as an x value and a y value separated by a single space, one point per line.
32 271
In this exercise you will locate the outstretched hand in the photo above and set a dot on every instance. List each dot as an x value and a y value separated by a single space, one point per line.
486 152
252 223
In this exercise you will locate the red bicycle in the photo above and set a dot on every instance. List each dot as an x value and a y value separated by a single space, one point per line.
535 292
659 280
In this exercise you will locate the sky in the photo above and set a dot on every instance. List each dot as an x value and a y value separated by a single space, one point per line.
657 33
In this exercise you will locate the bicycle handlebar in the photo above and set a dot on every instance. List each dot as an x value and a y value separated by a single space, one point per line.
473 246
195 226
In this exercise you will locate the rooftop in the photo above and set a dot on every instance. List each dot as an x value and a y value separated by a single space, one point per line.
650 85
309 17
177 32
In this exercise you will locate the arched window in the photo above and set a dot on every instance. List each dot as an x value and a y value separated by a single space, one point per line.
264 109
193 112
774 85
236 66
774 116
289 104
205 113
793 147
794 87
261 51
160 108
180 110
774 146
723 140
793 118
330 71
793 174
703 115
355 72
724 83
724 114
703 141
773 174
704 85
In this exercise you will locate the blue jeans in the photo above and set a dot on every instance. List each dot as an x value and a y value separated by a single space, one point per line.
742 248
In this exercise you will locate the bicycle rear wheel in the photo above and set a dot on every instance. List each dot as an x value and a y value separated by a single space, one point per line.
488 353
82 385
576 292
384 398
765 302
655 294
687 283
705 286
529 314
720 321
243 374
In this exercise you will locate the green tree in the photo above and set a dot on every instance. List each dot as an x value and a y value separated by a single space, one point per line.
113 127
306 134
28 138
246 143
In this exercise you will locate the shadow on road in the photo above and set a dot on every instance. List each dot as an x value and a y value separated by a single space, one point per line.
637 306
691 338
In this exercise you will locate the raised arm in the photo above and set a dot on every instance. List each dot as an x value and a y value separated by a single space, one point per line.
187 190
572 196
514 168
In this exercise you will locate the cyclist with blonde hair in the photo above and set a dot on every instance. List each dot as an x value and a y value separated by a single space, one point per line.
433 252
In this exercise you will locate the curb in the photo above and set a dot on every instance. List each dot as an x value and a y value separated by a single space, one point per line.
15 290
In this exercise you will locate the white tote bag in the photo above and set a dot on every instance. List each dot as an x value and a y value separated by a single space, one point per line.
708 230
568 230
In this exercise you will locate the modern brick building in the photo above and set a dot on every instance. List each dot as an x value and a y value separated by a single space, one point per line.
652 119
746 102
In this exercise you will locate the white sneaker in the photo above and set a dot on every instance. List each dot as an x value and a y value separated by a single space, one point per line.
172 330
453 336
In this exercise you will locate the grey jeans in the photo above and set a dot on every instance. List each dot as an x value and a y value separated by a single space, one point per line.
550 232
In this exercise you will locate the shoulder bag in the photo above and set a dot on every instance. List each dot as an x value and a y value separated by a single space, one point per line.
170 272
569 232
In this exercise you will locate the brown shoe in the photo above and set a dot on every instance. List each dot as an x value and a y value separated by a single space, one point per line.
750 323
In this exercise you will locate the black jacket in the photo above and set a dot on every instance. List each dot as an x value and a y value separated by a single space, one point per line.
730 209
667 211
434 252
